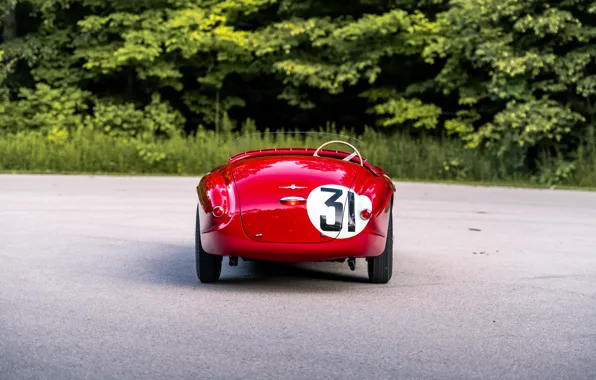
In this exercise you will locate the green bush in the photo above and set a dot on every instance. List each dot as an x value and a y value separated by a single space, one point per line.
157 118
44 108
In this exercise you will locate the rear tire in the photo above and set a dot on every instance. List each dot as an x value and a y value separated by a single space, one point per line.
208 266
380 268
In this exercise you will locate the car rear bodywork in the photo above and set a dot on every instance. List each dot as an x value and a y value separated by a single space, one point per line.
291 206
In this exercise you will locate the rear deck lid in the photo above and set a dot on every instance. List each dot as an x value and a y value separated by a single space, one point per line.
294 199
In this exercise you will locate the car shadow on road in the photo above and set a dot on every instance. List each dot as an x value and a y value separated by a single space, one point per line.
175 265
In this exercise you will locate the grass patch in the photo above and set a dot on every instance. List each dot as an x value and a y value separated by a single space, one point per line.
403 157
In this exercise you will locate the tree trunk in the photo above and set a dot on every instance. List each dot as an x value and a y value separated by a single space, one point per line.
217 112
10 25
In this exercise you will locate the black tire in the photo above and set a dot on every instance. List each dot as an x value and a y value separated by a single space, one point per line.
380 268
208 266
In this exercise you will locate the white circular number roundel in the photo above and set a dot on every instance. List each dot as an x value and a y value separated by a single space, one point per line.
335 211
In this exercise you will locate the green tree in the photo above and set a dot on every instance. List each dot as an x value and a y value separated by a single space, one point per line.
522 71
193 53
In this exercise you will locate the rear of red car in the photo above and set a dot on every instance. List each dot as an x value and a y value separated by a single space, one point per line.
294 208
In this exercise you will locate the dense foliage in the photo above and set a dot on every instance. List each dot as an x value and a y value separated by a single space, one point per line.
513 79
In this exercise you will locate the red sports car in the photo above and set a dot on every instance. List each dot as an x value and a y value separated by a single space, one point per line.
296 205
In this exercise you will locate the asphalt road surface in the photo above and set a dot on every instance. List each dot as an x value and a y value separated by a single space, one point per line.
97 281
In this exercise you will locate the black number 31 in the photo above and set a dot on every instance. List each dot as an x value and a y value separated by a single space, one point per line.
339 209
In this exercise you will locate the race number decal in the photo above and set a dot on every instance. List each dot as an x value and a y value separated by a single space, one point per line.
335 209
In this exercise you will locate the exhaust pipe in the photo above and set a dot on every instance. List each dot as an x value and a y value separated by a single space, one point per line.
352 263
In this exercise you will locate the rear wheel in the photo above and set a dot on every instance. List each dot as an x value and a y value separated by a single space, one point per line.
208 266
380 268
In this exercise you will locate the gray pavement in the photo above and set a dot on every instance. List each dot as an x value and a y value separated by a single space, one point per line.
97 282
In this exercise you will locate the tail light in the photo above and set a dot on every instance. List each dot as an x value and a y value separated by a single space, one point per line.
218 211
365 214
292 201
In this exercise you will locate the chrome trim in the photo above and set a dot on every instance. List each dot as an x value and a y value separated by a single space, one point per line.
292 187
